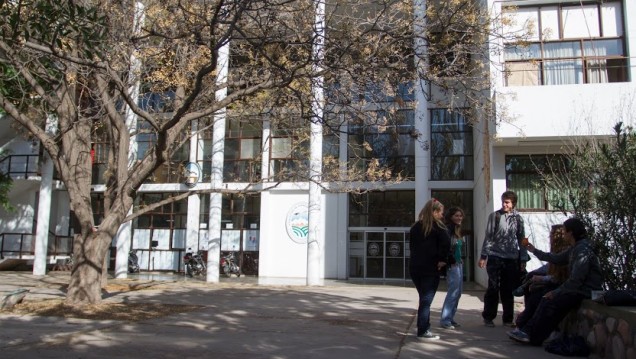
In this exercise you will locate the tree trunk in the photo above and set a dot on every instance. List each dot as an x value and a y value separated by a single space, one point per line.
85 286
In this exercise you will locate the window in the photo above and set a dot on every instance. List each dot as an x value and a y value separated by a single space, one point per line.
171 171
289 149
449 53
451 146
99 155
243 149
383 140
241 211
524 177
331 148
169 216
382 209
570 44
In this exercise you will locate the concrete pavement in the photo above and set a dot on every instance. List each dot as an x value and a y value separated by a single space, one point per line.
241 319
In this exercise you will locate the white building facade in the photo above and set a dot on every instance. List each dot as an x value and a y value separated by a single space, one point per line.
574 79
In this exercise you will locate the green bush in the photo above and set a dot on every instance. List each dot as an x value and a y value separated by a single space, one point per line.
600 188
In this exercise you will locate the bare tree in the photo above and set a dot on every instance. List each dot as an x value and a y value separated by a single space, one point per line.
72 70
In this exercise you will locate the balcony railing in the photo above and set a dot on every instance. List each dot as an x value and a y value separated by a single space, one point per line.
20 166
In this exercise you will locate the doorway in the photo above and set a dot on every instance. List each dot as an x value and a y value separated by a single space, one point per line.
379 253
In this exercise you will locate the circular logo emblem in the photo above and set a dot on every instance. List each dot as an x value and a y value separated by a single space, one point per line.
192 174
395 249
373 249
297 223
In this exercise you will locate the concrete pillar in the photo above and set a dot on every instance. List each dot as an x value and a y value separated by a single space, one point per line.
422 117
123 244
43 217
218 137
123 239
315 243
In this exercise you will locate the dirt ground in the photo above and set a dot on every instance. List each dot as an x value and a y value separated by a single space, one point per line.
103 311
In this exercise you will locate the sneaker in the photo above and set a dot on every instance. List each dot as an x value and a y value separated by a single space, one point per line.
455 324
519 336
447 326
428 335
509 324
489 323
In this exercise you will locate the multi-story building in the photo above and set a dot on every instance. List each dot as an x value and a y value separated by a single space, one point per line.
572 78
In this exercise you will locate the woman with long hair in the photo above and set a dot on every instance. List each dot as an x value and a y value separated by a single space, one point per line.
429 245
454 268
545 278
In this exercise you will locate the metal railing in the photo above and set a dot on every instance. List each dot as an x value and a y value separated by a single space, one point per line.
18 245
20 166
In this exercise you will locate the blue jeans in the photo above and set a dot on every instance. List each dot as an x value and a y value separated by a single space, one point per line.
426 286
455 281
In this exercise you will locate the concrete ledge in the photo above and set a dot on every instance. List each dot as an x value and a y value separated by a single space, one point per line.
610 331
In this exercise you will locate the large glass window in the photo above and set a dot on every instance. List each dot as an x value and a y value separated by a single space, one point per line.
172 215
289 149
383 140
243 151
241 211
382 209
451 146
567 44
524 177
171 171
99 155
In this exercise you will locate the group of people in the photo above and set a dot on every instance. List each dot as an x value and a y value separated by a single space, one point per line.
572 271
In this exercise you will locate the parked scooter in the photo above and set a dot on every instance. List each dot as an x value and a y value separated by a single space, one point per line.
194 264
133 261
229 266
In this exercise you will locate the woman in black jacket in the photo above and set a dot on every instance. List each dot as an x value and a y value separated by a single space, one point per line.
429 246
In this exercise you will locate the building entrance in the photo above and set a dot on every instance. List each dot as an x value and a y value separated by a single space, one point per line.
378 253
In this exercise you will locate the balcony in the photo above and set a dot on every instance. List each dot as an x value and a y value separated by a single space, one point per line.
552 112
20 166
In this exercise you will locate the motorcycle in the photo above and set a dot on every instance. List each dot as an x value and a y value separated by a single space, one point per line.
194 264
133 261
229 266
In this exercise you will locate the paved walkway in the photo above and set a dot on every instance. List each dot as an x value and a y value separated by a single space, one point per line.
240 319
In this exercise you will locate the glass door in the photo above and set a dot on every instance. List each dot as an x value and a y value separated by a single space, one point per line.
378 254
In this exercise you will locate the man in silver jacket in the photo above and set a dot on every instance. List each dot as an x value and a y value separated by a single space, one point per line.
585 276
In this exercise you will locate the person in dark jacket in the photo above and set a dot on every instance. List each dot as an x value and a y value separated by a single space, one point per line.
429 246
585 276
504 259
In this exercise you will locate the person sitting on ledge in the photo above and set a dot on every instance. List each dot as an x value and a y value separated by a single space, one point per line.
585 276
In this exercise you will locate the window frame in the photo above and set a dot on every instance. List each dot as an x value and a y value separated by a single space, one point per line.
584 72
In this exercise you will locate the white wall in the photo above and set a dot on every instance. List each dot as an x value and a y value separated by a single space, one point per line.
281 259
566 110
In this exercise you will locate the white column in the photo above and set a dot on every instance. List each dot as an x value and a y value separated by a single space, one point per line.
422 118
123 244
629 17
315 243
43 217
218 136
123 238
192 239
343 203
